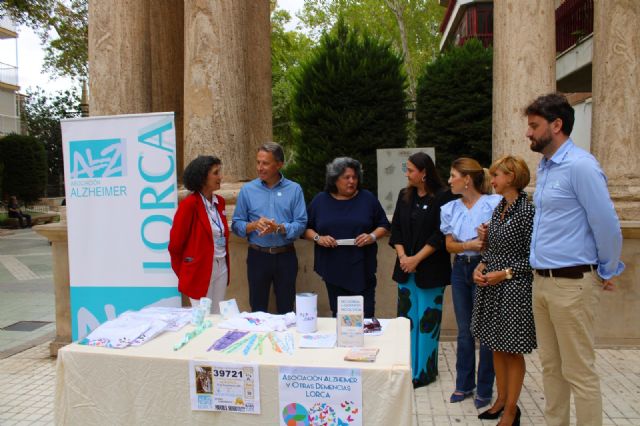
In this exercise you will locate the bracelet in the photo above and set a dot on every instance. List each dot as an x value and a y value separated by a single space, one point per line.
372 235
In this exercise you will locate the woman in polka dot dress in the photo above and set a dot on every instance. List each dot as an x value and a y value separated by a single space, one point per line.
502 314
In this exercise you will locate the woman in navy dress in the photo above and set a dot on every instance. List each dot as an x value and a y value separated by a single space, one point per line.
422 267
344 222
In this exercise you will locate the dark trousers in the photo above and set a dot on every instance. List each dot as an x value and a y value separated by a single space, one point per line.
369 295
22 218
265 268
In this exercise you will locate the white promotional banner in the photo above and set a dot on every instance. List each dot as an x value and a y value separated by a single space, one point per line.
121 195
320 396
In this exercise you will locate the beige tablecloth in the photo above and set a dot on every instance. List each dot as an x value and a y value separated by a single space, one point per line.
149 384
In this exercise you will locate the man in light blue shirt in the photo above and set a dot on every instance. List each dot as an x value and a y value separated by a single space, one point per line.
271 213
575 251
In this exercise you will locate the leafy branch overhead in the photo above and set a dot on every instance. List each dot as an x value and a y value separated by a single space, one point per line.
63 30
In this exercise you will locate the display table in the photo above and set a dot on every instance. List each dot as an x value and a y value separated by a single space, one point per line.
149 384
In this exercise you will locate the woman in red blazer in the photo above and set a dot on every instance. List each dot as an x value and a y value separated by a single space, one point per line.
199 238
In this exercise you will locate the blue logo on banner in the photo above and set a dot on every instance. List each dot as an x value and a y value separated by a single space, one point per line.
99 158
91 306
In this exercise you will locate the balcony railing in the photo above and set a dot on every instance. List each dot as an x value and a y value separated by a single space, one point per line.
574 21
8 74
485 39
9 124
7 23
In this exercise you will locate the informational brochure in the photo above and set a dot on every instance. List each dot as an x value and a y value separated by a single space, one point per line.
350 321
221 386
362 354
320 396
317 340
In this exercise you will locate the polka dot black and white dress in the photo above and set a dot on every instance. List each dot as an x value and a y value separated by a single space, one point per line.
502 314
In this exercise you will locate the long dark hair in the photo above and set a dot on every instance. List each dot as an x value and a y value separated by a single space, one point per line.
432 181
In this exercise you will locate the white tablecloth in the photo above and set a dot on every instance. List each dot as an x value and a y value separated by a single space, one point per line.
149 384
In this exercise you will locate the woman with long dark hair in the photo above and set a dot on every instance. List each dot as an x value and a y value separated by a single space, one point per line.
422 267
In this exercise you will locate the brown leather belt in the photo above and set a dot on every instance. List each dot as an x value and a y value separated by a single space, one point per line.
573 272
273 250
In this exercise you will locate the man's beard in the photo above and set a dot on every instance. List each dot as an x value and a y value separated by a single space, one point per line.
538 145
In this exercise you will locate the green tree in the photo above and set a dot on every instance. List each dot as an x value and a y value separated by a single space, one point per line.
454 105
412 25
62 26
42 113
349 101
25 167
287 49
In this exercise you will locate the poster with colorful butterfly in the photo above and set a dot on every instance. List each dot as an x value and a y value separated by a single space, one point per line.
312 396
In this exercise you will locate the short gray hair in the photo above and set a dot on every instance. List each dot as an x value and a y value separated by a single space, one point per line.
336 168
273 148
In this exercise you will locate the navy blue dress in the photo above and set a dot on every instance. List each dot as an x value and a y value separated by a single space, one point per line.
349 268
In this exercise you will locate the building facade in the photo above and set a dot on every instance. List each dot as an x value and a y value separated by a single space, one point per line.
9 98
466 19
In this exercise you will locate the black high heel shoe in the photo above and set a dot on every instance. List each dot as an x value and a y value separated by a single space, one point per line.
487 415
516 419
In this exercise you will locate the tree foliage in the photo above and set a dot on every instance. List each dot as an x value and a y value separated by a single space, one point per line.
454 102
412 25
287 50
349 101
42 113
62 26
25 167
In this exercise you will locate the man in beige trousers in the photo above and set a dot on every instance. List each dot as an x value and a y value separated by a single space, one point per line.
575 252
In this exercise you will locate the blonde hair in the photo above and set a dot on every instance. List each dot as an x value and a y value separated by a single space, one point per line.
515 166
479 176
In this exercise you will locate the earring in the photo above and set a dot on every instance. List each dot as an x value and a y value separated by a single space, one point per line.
466 186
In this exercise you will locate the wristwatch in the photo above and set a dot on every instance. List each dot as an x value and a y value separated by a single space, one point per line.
509 273
316 238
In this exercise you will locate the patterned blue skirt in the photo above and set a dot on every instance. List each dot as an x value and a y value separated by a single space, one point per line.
423 307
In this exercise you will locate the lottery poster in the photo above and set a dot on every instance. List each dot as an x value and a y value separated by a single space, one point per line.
320 396
218 386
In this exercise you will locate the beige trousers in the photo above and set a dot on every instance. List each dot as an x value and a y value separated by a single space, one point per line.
217 285
564 311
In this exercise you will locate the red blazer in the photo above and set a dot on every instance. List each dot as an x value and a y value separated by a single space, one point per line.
191 245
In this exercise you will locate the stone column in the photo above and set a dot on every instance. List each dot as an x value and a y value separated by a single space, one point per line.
227 92
524 58
258 56
136 59
616 100
166 33
56 233
119 57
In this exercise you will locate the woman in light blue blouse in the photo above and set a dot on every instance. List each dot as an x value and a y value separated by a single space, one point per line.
459 220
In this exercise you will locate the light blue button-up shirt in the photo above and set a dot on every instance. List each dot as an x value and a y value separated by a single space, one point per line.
457 220
575 222
283 202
